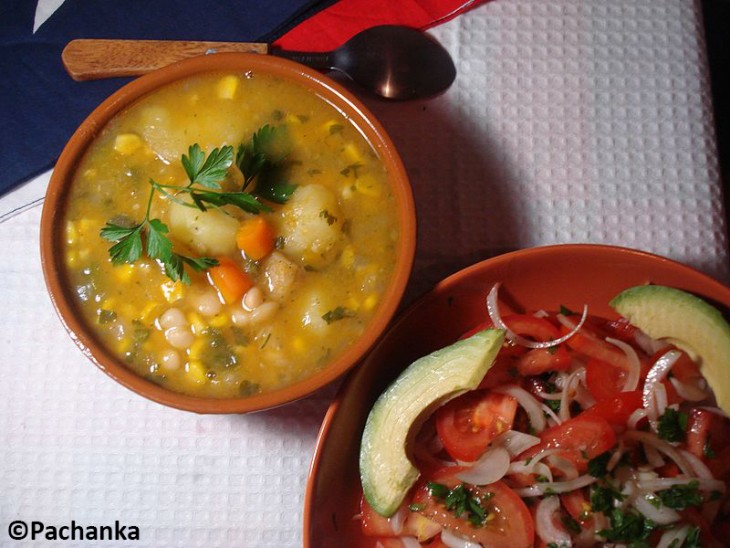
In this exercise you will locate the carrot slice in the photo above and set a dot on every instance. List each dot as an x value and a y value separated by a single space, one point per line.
230 281
255 237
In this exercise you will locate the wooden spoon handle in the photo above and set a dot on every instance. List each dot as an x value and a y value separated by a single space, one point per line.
91 59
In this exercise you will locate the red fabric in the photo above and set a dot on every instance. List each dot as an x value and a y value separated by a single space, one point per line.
335 25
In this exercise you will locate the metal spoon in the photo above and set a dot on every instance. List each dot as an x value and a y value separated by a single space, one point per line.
392 61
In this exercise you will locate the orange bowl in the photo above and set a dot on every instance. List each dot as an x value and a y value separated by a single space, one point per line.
52 232
537 278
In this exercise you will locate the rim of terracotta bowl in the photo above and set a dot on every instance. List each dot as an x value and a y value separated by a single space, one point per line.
333 482
52 217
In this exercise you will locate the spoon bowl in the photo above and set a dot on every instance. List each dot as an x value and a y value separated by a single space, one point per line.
391 61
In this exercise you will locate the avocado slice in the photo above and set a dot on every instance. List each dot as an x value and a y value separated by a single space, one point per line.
686 321
386 472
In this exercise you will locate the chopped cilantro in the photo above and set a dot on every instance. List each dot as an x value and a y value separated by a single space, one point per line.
673 425
597 466
629 527
461 501
680 497
337 313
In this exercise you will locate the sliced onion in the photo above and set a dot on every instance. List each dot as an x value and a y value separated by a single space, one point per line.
491 467
575 377
529 404
551 414
634 372
635 418
673 537
453 541
690 391
538 468
656 374
493 311
659 484
567 467
649 345
615 457
398 519
556 486
648 438
662 515
546 526
700 468
653 457
515 442
410 542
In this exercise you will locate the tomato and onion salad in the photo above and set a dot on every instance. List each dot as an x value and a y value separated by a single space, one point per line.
604 437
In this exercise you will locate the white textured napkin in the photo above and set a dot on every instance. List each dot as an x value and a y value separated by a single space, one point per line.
570 121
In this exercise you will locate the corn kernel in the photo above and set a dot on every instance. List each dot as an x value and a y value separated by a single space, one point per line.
196 322
71 233
124 272
367 186
127 143
197 349
370 301
108 304
353 304
124 345
196 372
85 225
297 344
227 87
172 291
219 320
331 126
352 153
347 257
147 311
293 119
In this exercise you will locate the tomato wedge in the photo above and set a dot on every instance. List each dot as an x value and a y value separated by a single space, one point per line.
618 408
579 439
468 423
509 524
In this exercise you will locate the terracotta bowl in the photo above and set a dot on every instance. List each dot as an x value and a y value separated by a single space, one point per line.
57 195
543 277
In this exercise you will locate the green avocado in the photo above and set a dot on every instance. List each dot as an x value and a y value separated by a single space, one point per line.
386 471
686 321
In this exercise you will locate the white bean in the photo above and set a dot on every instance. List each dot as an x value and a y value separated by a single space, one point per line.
240 317
172 317
253 298
180 336
170 360
208 303
264 313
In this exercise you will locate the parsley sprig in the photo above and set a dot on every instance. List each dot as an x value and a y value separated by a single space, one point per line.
149 237
258 165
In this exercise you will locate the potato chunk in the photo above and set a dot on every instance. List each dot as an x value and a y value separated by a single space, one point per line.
210 232
311 226
280 275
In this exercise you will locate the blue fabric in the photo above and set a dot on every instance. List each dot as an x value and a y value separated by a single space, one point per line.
41 106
